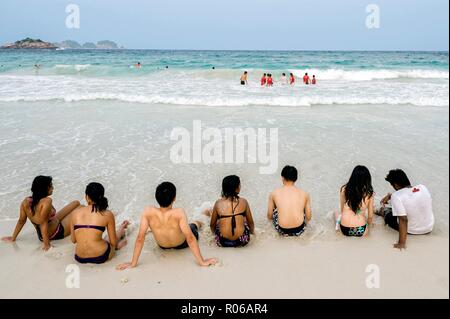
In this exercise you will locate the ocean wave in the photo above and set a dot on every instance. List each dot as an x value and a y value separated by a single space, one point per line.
369 75
238 101
72 67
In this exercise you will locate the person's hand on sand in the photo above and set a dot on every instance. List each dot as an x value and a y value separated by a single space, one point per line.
208 262
124 266
46 247
400 246
7 239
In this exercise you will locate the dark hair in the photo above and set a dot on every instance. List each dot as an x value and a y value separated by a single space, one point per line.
245 72
358 187
292 73
289 173
39 190
264 74
306 73
165 194
399 177
96 193
230 185
284 74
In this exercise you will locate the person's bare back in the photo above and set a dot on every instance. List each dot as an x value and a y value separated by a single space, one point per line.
292 204
289 206
165 225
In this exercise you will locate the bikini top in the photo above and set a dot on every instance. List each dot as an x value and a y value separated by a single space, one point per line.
100 228
233 217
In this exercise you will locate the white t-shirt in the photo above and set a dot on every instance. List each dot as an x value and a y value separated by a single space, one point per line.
416 204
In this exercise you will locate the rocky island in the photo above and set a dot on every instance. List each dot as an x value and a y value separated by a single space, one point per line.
29 43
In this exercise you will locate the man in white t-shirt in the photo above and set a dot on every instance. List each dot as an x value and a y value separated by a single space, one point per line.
412 210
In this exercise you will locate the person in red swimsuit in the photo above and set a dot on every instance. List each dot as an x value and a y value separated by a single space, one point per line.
264 79
314 81
269 80
306 79
292 79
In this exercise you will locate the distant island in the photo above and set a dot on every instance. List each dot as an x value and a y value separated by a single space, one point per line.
29 43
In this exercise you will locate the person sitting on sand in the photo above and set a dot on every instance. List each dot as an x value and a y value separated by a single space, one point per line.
231 217
38 208
169 226
244 78
88 225
412 209
289 207
264 79
356 199
314 80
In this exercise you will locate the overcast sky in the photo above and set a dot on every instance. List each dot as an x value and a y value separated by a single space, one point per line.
234 24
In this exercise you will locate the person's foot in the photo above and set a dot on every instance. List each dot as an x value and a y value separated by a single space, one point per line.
121 244
379 212
199 224
207 212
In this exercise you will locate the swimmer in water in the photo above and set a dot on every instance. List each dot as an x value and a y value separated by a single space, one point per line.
314 81
292 79
138 65
244 78
264 79
306 79
283 79
269 80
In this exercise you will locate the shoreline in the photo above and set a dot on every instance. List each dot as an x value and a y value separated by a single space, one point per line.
130 144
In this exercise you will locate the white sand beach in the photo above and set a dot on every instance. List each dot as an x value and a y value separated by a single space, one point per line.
126 147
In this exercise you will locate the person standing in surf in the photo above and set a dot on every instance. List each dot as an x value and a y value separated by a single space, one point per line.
244 78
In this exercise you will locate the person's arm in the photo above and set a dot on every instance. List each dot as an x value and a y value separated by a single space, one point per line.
192 241
73 238
385 200
140 240
342 199
403 232
370 211
112 230
249 217
20 223
214 218
271 207
308 212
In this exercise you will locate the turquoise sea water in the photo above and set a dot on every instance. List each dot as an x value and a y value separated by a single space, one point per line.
419 78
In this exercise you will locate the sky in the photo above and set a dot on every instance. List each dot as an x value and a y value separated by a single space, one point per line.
234 24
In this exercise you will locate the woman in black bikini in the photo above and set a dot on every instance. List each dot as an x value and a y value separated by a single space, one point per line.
231 218
38 208
88 225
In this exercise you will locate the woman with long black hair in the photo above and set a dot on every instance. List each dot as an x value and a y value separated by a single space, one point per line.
38 208
231 218
356 204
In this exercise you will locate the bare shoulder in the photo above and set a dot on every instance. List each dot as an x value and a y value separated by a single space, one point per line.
109 215
149 211
46 201
244 201
179 212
